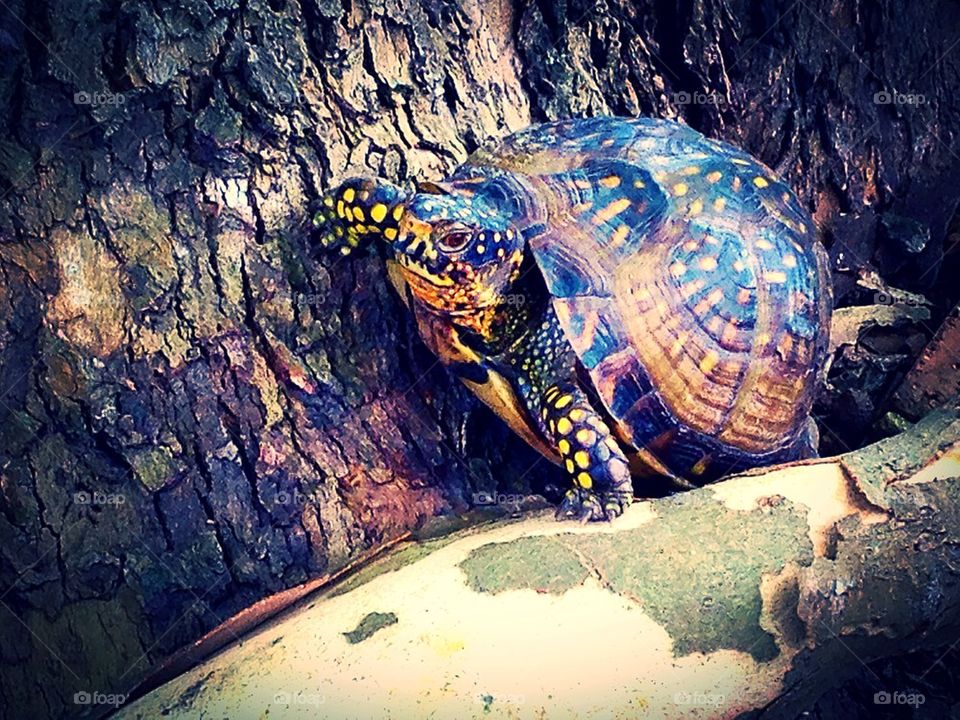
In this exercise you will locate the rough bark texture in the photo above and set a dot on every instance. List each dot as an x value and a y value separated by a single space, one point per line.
793 575
196 413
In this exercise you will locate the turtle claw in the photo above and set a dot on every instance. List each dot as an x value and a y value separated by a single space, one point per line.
587 506
581 505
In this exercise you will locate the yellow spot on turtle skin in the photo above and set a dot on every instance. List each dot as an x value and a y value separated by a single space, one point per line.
582 184
803 228
328 201
775 277
586 437
735 184
691 245
338 231
680 189
611 211
678 269
700 467
760 182
719 204
378 212
739 266
582 458
739 161
563 402
340 208
348 213
764 245
696 207
762 339
789 260
716 322
390 233
611 443
611 181
639 184
678 344
577 414
690 170
552 392
709 362
358 214
398 212
481 249
714 176
564 447
743 296
348 195
570 466
585 481
564 426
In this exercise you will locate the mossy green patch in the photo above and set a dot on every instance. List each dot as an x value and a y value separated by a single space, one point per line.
708 599
369 625
538 563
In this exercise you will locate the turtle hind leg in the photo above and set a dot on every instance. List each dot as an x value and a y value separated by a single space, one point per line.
602 486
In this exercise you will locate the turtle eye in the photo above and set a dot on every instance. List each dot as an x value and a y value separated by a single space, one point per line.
454 240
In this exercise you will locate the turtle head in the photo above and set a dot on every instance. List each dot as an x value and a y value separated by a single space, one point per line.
459 252
358 211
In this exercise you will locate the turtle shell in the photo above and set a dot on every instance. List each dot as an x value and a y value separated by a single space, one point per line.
686 276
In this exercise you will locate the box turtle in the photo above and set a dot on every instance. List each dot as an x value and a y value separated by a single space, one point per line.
629 295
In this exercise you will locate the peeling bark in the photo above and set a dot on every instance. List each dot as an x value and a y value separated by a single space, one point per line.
196 413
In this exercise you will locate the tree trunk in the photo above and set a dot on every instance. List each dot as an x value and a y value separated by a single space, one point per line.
197 413
751 598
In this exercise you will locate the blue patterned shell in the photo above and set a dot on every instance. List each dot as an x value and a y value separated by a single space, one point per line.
686 276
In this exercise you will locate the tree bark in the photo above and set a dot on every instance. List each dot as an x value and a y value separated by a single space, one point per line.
196 412
753 596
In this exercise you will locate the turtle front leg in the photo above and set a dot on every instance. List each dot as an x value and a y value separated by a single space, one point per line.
602 487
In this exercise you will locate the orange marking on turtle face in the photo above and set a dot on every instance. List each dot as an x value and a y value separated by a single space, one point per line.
660 160
743 296
775 277
580 208
789 260
716 322
680 189
582 184
711 240
696 207
611 211
739 161
691 245
736 184
764 244
678 269
708 263
760 182
607 143
701 466
719 204
739 266
611 181
714 176
690 170
639 184
803 228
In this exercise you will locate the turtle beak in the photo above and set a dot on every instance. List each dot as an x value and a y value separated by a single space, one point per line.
415 250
